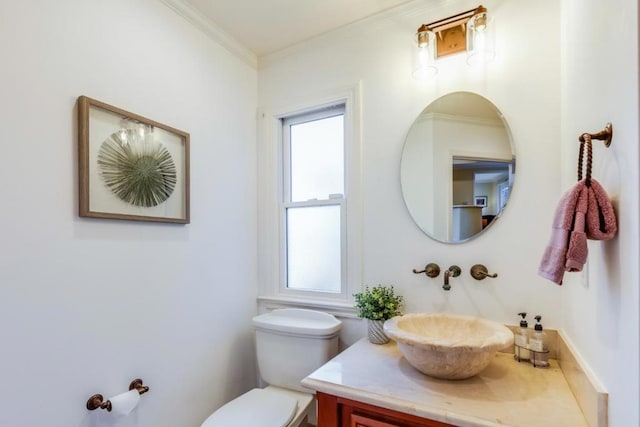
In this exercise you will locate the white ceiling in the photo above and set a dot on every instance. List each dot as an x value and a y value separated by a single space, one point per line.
266 26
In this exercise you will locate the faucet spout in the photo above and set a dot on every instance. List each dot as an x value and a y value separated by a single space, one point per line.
453 271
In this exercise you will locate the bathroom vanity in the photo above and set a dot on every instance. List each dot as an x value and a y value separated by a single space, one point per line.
371 385
338 411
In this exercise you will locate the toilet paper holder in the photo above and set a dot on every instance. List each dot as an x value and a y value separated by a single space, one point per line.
97 400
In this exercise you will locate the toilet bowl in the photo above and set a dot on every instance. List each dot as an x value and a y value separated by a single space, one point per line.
290 344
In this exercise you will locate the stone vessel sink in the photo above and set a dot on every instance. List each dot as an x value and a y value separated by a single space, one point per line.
448 346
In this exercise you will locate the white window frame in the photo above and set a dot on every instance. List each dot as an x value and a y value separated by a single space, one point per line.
324 112
271 197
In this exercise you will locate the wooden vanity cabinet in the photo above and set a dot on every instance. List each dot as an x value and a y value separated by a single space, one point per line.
334 411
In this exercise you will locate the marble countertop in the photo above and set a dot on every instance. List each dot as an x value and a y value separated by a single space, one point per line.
506 393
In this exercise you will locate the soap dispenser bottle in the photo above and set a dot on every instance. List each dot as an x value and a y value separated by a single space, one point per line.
522 339
538 344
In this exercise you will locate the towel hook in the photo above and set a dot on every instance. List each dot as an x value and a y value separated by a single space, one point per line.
585 139
605 135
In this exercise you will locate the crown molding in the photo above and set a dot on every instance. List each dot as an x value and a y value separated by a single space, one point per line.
197 19
474 120
389 17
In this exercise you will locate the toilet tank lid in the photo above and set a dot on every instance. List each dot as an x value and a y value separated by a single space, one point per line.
298 321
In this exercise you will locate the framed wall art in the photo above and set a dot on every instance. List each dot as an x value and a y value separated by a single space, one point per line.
480 201
130 167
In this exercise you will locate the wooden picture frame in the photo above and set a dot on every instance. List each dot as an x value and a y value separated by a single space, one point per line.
130 167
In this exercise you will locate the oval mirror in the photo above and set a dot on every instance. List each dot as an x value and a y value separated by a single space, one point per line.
457 167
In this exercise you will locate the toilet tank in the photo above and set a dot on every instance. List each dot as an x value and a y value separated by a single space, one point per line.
292 343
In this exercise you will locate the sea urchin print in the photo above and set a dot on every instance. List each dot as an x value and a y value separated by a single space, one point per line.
137 171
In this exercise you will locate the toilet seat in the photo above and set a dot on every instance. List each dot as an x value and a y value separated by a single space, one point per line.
255 408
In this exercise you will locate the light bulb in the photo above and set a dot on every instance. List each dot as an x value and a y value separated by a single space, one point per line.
424 66
480 40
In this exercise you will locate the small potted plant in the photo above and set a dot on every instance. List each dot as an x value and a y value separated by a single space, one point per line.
377 305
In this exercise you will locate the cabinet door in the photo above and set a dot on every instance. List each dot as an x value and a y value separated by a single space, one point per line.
334 411
362 421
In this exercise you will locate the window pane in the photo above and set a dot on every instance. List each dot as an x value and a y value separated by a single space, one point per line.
313 248
317 159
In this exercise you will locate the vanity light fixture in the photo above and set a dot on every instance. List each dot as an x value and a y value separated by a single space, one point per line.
471 31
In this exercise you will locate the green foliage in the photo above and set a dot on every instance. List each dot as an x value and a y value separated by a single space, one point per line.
378 303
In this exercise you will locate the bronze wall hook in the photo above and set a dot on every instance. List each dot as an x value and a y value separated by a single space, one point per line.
605 135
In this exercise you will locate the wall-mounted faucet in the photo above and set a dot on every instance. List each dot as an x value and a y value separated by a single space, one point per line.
433 270
453 271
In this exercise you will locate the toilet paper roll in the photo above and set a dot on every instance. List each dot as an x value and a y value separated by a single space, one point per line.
123 404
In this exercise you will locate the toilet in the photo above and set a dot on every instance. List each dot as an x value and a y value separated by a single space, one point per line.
290 344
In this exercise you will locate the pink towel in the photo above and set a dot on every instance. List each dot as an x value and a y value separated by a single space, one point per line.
583 212
601 218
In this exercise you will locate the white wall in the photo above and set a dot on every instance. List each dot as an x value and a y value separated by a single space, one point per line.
546 107
527 91
87 305
600 85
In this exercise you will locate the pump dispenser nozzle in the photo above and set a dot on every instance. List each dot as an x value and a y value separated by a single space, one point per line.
523 322
538 326
522 339
538 345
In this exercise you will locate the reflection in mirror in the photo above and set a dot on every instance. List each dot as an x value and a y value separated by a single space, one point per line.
457 167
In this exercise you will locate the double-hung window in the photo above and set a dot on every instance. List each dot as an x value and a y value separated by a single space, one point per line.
313 211
310 203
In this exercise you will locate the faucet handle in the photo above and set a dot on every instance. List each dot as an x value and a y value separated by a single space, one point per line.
479 272
432 270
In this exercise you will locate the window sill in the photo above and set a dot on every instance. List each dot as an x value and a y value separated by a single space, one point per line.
335 308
